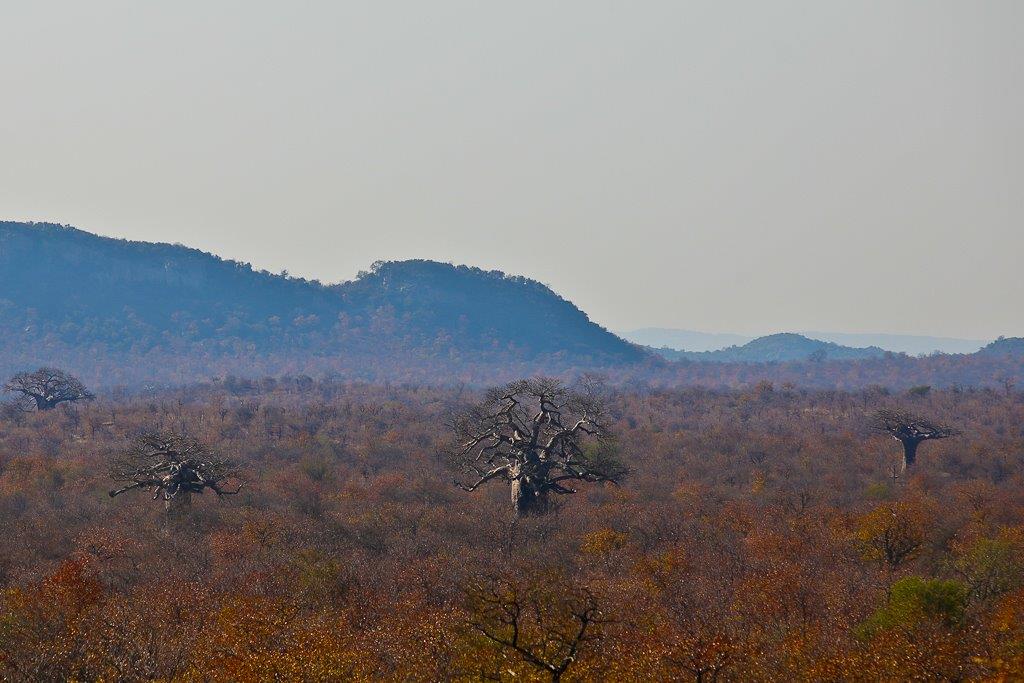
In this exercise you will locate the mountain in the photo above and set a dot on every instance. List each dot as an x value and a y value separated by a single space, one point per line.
84 289
73 298
690 340
776 348
477 310
117 312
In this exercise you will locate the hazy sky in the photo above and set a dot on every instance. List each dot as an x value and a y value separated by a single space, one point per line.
739 166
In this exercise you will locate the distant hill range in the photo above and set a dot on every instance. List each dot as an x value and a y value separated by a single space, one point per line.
122 312
776 348
67 294
689 340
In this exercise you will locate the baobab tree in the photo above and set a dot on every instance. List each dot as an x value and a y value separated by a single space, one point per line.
538 436
48 388
172 467
910 430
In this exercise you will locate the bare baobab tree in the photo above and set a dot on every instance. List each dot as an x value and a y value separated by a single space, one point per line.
48 388
539 436
172 467
910 430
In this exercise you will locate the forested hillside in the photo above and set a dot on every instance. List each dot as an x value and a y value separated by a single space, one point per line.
133 313
777 348
1006 347
126 308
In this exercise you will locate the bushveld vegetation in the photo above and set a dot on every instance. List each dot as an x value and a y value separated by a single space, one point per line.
763 533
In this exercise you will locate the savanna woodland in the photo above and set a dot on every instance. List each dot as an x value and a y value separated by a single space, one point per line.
544 530
511 342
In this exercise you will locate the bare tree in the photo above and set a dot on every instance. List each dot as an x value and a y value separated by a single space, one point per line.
546 623
910 430
539 436
48 388
172 467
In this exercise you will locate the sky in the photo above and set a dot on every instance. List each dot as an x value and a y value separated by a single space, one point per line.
723 166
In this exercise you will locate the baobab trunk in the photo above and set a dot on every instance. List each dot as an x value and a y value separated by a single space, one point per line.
178 505
525 498
909 452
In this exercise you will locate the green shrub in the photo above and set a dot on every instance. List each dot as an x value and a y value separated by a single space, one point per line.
914 600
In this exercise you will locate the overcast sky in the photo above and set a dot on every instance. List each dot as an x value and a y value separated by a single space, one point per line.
731 166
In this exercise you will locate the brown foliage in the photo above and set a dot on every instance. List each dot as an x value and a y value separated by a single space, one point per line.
758 533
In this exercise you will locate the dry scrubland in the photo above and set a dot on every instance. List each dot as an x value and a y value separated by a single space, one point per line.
760 536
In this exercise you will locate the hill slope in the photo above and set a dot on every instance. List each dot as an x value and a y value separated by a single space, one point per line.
689 340
86 289
429 303
67 292
1004 346
776 348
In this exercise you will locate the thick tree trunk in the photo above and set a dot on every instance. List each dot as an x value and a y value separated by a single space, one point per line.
526 500
909 452
179 505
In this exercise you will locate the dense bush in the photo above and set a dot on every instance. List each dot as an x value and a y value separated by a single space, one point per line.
749 542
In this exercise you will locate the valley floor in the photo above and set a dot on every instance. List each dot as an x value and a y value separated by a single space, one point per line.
763 534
